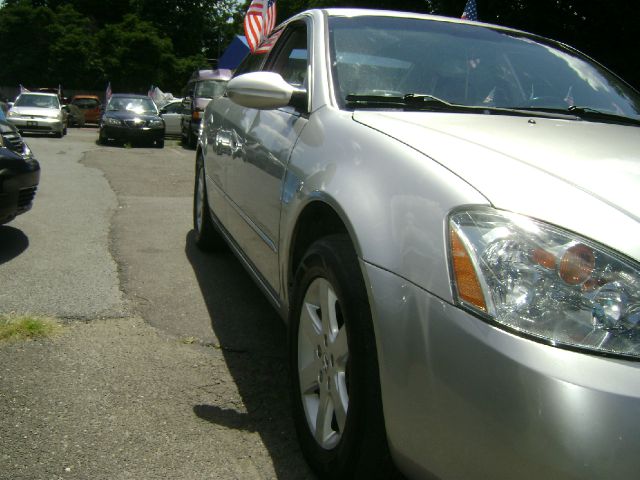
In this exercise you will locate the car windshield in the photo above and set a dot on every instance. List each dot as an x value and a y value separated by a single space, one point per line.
86 103
469 65
210 88
39 101
132 104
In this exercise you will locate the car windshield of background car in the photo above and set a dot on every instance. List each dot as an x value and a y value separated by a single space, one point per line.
86 103
210 88
469 65
135 105
39 101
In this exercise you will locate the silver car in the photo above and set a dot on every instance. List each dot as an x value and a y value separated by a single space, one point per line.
38 112
446 215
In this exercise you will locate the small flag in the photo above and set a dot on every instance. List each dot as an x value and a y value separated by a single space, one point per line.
259 21
22 89
108 93
60 90
470 11
150 92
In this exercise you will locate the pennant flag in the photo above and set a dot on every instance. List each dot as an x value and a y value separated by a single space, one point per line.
108 93
22 89
470 11
150 91
259 21
60 90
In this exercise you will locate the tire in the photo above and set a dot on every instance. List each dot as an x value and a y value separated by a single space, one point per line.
59 134
160 143
334 367
191 139
102 139
207 237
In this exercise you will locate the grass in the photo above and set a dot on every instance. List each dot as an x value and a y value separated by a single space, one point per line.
25 327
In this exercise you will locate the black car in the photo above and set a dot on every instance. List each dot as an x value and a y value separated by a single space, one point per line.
19 174
131 118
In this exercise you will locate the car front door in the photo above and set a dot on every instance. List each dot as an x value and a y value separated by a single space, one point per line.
262 142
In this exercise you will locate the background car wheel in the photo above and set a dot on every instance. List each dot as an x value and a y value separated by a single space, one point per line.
206 236
191 139
102 139
335 386
160 143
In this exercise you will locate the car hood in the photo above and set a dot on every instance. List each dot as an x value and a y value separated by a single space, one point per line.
581 175
36 111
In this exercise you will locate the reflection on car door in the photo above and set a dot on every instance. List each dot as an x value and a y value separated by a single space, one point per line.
262 142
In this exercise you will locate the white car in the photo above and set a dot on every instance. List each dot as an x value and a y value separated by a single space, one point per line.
38 112
445 213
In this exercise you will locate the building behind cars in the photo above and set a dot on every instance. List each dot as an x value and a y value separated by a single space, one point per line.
200 89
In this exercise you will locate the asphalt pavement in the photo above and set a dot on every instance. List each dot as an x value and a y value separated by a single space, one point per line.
171 363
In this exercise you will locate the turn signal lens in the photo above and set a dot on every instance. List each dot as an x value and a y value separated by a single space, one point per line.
577 264
465 276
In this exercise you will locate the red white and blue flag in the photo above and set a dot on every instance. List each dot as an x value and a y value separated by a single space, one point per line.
108 93
259 21
470 11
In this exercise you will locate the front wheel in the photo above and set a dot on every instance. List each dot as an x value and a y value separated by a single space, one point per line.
334 368
206 236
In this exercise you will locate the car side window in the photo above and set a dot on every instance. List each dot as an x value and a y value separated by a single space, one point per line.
290 59
251 63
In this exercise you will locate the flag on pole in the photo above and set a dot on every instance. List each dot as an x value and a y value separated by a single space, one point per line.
470 11
108 93
150 91
22 89
259 21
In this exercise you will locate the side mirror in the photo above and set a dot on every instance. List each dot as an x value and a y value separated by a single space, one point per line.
265 91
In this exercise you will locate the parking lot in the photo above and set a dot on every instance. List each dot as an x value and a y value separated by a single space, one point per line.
171 363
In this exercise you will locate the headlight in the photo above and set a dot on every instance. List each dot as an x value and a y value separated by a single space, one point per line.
11 113
156 123
545 282
112 121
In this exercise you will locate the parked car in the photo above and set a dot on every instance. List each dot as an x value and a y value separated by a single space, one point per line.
445 214
90 106
75 116
39 112
19 174
131 118
201 88
171 113
10 138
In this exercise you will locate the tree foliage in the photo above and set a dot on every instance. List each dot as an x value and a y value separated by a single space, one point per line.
84 44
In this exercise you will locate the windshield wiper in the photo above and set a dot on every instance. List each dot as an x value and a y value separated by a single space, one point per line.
586 113
410 100
415 101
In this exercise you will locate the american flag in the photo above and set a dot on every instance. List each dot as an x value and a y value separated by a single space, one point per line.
108 93
259 21
470 11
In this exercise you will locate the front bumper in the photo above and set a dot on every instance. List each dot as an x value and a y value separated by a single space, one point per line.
132 134
36 124
463 399
18 187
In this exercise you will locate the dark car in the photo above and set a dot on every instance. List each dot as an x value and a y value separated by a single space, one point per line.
201 88
131 118
19 174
